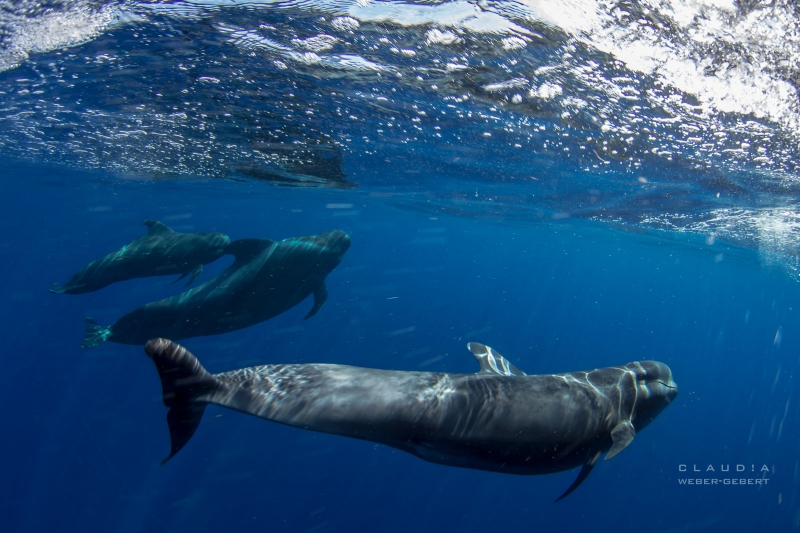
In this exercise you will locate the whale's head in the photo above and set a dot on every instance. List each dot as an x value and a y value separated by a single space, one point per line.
212 243
218 242
655 390
335 243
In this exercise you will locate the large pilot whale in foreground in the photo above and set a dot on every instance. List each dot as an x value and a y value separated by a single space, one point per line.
159 252
266 279
499 419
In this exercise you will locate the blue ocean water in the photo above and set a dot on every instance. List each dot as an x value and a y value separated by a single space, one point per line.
550 197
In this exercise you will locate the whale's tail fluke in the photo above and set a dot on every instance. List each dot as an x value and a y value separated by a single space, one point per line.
95 334
57 289
184 383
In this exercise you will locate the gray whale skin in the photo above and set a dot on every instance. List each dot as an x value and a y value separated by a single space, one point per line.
266 279
499 419
159 252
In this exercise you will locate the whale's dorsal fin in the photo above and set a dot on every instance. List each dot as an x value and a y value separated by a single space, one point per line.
622 435
492 362
246 249
156 227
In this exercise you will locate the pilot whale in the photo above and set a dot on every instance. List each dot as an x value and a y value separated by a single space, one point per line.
499 419
159 252
266 279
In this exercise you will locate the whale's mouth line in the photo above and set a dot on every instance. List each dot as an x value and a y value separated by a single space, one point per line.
661 382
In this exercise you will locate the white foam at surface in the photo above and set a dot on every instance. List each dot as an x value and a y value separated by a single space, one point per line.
676 60
745 88
252 40
436 36
458 14
57 30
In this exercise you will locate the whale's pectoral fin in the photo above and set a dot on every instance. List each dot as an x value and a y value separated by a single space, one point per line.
196 271
320 296
584 473
156 227
195 274
184 382
622 435
492 362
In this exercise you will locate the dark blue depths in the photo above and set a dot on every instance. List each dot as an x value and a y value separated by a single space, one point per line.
84 430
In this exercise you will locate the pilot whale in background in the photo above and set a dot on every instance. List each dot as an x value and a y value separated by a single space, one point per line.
499 419
159 252
266 279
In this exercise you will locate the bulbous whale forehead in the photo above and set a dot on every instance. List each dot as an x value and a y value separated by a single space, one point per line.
216 238
220 239
654 380
652 371
335 239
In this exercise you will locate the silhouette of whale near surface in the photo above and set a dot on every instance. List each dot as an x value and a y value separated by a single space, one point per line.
266 279
499 419
159 252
